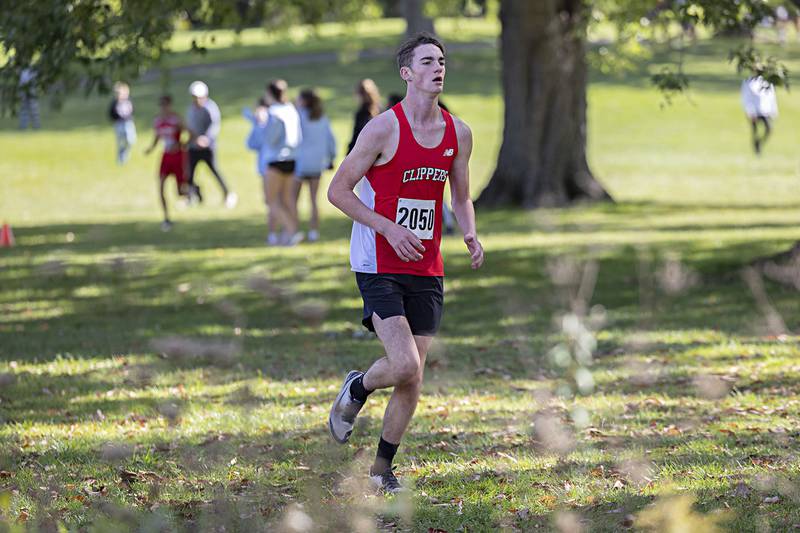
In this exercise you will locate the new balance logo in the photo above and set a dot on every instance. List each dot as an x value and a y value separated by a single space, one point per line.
448 152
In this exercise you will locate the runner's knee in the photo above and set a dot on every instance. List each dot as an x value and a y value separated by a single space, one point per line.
407 370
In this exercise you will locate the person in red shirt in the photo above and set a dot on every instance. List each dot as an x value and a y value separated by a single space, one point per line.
405 155
168 127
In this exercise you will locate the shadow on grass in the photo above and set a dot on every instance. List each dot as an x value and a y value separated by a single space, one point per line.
118 287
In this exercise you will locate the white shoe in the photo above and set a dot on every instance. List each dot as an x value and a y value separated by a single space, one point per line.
313 235
166 226
344 410
273 240
231 200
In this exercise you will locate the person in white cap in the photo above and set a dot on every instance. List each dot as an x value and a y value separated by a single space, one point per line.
203 121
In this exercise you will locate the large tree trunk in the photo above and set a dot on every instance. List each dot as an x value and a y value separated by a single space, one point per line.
542 161
416 21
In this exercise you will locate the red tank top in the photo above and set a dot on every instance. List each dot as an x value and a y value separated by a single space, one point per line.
408 190
168 130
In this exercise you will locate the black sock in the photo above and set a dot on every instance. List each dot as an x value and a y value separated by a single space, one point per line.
357 390
384 457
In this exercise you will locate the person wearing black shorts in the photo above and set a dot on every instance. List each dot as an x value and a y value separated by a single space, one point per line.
281 137
405 155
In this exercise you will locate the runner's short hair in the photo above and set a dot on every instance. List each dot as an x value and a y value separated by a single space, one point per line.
165 99
405 54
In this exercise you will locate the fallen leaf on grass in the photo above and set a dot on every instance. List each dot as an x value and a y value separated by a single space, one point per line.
6 474
522 514
548 500
436 530
23 516
772 499
628 520
741 490
129 476
215 438
506 456
594 432
92 487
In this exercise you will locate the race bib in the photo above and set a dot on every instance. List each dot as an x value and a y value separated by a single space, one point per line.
417 215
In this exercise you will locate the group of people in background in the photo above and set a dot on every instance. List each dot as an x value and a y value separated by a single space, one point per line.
179 159
294 144
293 141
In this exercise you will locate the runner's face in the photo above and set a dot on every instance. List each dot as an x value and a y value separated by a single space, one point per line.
427 69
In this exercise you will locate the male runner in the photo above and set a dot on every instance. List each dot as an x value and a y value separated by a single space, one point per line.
405 156
204 121
168 127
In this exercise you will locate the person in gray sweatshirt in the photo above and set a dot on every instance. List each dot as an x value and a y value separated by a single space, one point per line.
204 120
315 153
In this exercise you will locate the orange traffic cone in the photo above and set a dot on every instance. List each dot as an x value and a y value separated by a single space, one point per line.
6 237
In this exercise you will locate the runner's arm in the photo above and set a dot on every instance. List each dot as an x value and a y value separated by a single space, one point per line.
184 128
459 190
152 144
371 142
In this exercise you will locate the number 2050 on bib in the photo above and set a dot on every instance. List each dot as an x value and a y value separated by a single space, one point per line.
417 215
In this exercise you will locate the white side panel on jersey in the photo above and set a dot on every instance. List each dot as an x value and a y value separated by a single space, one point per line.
362 238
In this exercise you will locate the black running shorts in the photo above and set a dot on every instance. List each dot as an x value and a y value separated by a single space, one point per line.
418 298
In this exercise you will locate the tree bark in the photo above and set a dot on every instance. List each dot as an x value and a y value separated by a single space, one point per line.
542 160
416 21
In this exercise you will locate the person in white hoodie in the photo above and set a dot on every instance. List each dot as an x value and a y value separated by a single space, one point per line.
760 105
280 137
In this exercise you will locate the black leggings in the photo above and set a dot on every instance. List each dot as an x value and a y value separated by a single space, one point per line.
204 154
767 130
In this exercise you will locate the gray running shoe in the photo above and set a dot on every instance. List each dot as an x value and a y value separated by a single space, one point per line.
387 482
344 410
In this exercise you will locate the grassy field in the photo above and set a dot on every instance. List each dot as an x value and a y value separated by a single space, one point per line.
611 367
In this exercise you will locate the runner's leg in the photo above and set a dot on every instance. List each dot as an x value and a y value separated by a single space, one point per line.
210 160
401 362
194 158
405 396
161 182
767 130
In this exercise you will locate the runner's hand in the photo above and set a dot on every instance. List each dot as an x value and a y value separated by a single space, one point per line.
406 245
202 141
475 250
